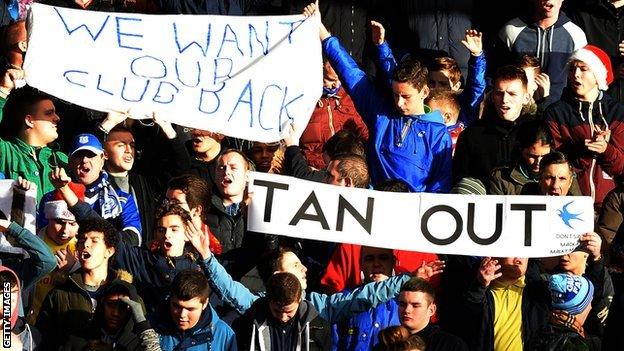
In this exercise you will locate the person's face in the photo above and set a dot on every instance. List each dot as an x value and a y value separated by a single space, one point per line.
450 116
116 312
330 78
548 8
556 180
61 231
376 263
43 122
532 155
574 262
170 233
204 141
531 84
18 43
232 174
262 155
86 166
582 80
92 251
333 175
513 268
119 151
186 313
441 80
508 97
291 264
283 313
415 310
407 99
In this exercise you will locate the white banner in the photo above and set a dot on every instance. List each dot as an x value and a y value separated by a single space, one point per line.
475 225
18 206
246 77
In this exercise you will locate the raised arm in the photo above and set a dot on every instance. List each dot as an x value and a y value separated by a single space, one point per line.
336 307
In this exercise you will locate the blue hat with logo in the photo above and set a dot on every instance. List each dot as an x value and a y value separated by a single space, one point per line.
570 293
86 142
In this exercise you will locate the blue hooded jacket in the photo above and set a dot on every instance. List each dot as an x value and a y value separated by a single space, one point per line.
416 149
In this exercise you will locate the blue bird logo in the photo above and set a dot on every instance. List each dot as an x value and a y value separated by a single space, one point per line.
567 216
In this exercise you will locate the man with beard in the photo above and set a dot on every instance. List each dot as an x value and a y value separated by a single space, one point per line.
506 308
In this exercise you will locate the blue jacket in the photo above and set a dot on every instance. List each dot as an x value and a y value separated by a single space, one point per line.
421 156
210 333
360 332
128 219
331 308
471 96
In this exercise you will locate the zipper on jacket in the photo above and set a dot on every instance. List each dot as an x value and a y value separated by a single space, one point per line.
592 185
406 128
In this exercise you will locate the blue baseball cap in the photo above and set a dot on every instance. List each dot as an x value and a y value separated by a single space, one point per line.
570 293
86 142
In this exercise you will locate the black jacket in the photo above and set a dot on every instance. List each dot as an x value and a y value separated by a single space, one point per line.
438 340
489 143
479 304
255 324
557 338
126 339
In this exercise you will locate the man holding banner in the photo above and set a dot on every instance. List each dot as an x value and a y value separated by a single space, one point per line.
33 122
409 141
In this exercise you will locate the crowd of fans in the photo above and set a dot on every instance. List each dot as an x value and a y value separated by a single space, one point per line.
142 243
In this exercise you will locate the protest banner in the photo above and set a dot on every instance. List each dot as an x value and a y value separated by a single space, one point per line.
246 77
17 205
476 225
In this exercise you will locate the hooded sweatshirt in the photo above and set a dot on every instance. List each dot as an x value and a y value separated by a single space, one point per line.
552 46
570 122
255 327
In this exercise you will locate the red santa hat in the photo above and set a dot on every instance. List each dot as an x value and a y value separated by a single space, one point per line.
56 208
598 61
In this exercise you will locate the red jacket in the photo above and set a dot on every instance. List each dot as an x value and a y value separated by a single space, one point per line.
331 115
569 121
343 270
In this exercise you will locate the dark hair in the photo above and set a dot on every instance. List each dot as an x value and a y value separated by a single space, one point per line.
273 262
171 208
7 276
416 284
20 103
248 162
120 128
532 132
196 190
410 70
283 288
511 72
354 167
98 225
189 284
448 64
394 186
555 158
343 142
